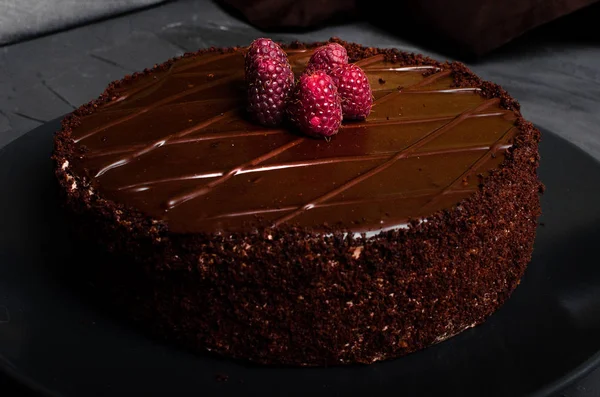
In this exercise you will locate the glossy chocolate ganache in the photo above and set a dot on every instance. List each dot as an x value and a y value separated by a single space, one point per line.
177 145
166 180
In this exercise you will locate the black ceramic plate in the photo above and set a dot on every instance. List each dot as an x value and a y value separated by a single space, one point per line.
52 339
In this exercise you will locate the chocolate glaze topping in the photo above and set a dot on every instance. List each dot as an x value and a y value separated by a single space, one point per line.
177 145
292 294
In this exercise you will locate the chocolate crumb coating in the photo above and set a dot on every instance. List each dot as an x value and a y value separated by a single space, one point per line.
294 294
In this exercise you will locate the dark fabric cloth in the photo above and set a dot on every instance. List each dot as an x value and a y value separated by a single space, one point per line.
474 27
22 19
479 26
292 14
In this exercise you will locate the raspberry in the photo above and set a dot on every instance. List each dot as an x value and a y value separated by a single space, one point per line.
315 107
327 57
269 86
355 91
263 48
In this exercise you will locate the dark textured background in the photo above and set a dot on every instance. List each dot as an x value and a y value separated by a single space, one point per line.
553 71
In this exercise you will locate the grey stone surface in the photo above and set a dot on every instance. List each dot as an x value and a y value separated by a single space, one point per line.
556 81
26 18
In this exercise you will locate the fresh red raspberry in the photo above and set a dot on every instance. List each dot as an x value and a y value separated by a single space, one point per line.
315 107
354 89
263 48
327 57
269 87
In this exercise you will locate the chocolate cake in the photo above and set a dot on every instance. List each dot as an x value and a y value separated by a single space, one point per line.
260 243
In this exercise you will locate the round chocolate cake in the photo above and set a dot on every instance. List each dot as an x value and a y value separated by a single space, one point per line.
260 243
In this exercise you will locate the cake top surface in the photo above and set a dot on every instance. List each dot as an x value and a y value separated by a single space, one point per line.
177 145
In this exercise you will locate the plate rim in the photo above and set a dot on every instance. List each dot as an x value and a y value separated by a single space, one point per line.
25 381
550 389
578 372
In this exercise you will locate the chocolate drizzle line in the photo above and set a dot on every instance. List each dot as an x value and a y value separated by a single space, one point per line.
252 169
448 190
272 131
423 83
400 155
181 140
174 202
147 149
155 105
203 183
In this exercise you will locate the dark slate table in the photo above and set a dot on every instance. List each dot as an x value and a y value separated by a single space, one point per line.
554 72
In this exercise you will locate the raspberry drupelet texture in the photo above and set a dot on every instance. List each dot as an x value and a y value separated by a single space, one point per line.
327 57
354 90
315 107
270 83
263 48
